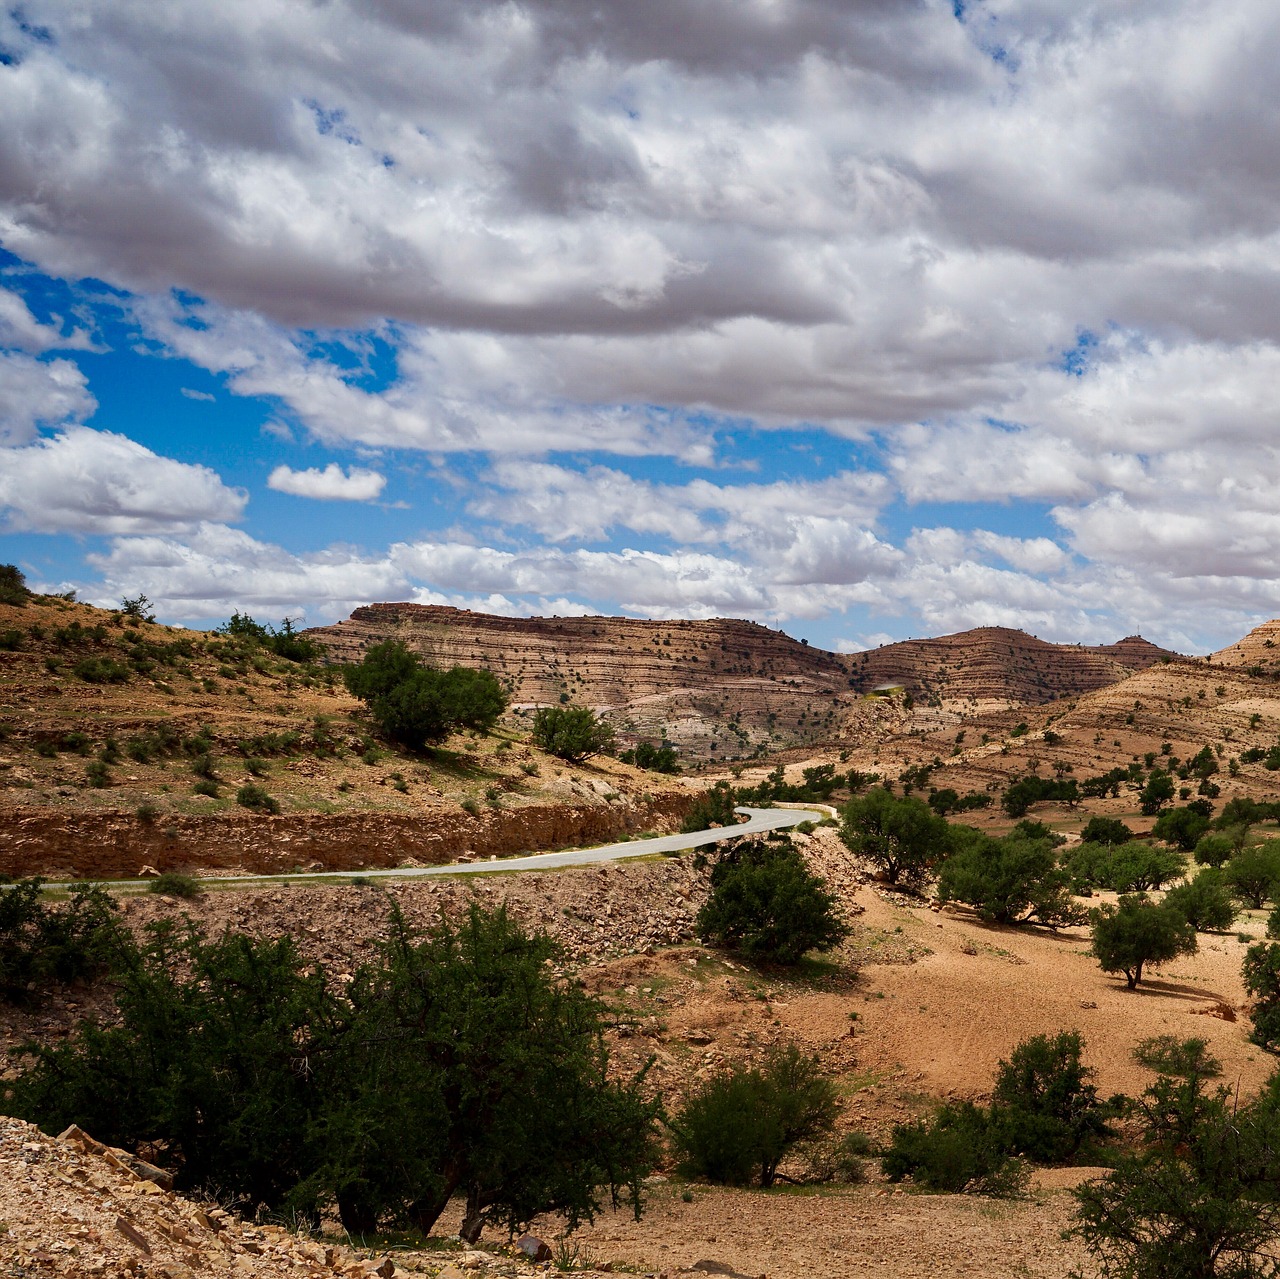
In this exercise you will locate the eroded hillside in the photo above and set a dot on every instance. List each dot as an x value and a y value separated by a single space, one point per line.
124 742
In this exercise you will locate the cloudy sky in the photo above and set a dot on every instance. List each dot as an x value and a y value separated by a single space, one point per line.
861 318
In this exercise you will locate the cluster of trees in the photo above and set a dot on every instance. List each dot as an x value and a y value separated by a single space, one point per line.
1022 878
285 642
453 1063
1044 1106
416 704
661 757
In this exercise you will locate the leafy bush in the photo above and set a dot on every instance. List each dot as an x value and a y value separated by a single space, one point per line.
1105 830
1203 902
98 775
740 1124
902 838
573 733
1196 1199
1261 972
11 640
40 942
1137 932
713 807
206 786
1009 881
1045 1102
1134 866
1214 849
661 758
1252 874
416 704
1137 867
174 884
766 904
959 1149
257 798
101 670
1021 794
428 1074
1043 1105
13 586
1181 827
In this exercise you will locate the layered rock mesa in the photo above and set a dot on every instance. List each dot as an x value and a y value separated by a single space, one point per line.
718 689
726 688
995 663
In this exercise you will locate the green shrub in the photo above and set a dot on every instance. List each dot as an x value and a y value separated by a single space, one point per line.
1203 902
960 1149
205 766
712 807
98 775
660 758
174 884
206 786
13 586
1044 1101
1182 827
1214 849
1196 1197
572 733
451 1048
1105 830
255 797
1252 874
1008 881
416 704
1261 972
41 943
11 641
101 670
766 904
740 1124
902 838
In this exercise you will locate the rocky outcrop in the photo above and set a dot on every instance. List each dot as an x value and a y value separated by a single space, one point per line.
115 845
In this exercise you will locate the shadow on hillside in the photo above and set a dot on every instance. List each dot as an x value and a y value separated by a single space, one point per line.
1174 990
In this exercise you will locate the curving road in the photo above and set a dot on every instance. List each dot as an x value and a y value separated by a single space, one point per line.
758 821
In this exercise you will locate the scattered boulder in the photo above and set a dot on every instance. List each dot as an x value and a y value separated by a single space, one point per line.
534 1248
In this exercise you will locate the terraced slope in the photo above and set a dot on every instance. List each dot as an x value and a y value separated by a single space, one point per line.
996 663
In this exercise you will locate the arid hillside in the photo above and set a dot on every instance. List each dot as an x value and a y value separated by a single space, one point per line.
124 743
994 663
726 689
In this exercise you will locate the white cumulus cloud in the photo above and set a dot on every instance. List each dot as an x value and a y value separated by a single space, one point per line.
86 481
330 484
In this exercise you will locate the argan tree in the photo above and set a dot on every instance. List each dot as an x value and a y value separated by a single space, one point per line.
901 837
1137 932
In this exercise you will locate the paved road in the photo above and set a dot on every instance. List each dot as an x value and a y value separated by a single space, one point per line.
758 820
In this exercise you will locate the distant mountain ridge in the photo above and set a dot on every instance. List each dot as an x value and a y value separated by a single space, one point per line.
725 687
1001 664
